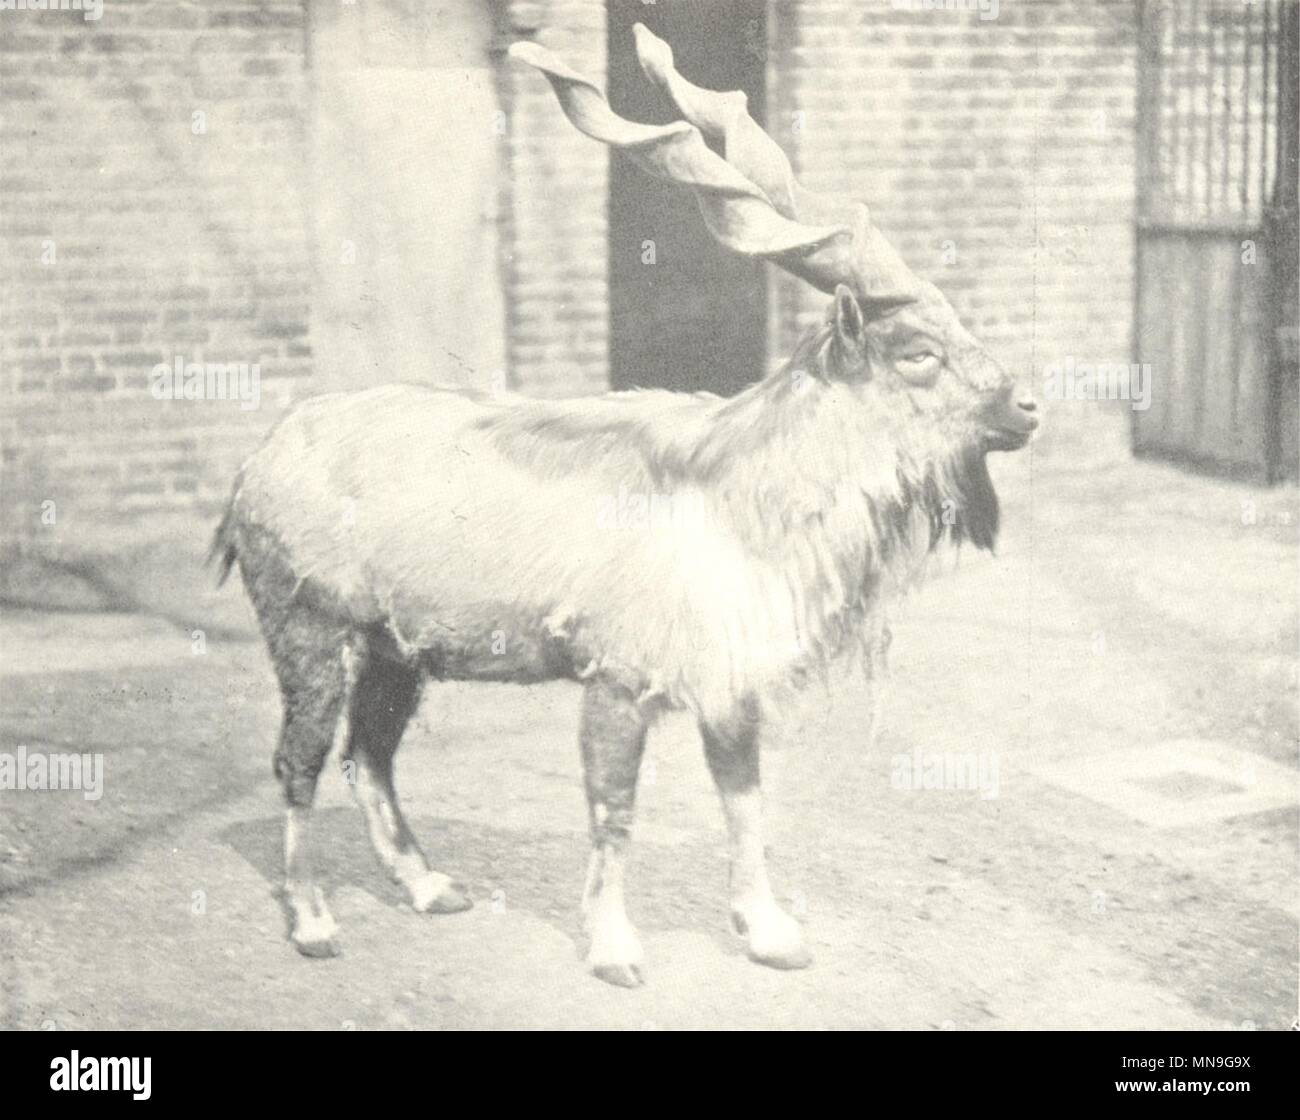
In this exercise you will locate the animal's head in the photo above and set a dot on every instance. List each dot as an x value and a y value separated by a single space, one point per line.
915 359
940 397
890 334
899 329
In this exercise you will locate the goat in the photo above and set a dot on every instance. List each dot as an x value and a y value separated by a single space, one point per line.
407 532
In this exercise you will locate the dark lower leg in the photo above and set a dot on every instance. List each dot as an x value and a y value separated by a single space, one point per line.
311 723
317 666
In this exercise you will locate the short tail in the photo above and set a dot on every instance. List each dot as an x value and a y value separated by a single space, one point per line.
223 542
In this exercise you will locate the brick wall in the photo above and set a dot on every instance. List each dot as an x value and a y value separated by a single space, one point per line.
152 205
556 182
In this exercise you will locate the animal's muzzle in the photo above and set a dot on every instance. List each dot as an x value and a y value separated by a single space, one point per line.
1009 422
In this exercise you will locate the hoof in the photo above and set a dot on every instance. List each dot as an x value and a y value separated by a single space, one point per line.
620 975
450 901
311 926
773 937
317 949
436 894
788 959
615 954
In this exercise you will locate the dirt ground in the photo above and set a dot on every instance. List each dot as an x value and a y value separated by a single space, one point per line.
1123 674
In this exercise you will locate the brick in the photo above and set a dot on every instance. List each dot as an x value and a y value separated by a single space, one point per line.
280 330
126 315
87 384
262 68
254 19
49 364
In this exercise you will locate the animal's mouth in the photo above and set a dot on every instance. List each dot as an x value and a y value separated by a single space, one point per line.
1009 425
1004 439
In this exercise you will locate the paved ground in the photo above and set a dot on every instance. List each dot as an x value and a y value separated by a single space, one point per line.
1123 678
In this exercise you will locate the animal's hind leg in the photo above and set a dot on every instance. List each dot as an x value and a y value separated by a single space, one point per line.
316 657
613 740
317 664
385 697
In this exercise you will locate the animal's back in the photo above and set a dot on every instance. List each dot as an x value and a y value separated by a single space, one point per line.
516 539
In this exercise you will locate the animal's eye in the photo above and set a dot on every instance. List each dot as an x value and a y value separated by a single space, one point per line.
920 367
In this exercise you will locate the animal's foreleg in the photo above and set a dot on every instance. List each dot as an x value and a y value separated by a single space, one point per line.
732 749
613 740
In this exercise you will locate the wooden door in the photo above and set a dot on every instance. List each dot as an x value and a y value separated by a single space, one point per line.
1216 234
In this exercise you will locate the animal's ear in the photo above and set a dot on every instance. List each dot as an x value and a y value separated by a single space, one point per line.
849 325
848 352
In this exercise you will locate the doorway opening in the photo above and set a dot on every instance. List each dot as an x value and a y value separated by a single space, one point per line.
684 313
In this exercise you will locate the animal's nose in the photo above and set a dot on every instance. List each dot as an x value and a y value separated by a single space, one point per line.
1027 405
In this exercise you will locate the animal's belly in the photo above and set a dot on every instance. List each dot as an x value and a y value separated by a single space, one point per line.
519 658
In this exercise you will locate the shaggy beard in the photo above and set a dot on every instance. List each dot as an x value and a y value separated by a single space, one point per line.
977 512
956 496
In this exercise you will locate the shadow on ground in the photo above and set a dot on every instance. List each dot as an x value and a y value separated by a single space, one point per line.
539 873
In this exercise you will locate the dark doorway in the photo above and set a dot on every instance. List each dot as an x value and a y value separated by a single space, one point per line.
684 313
